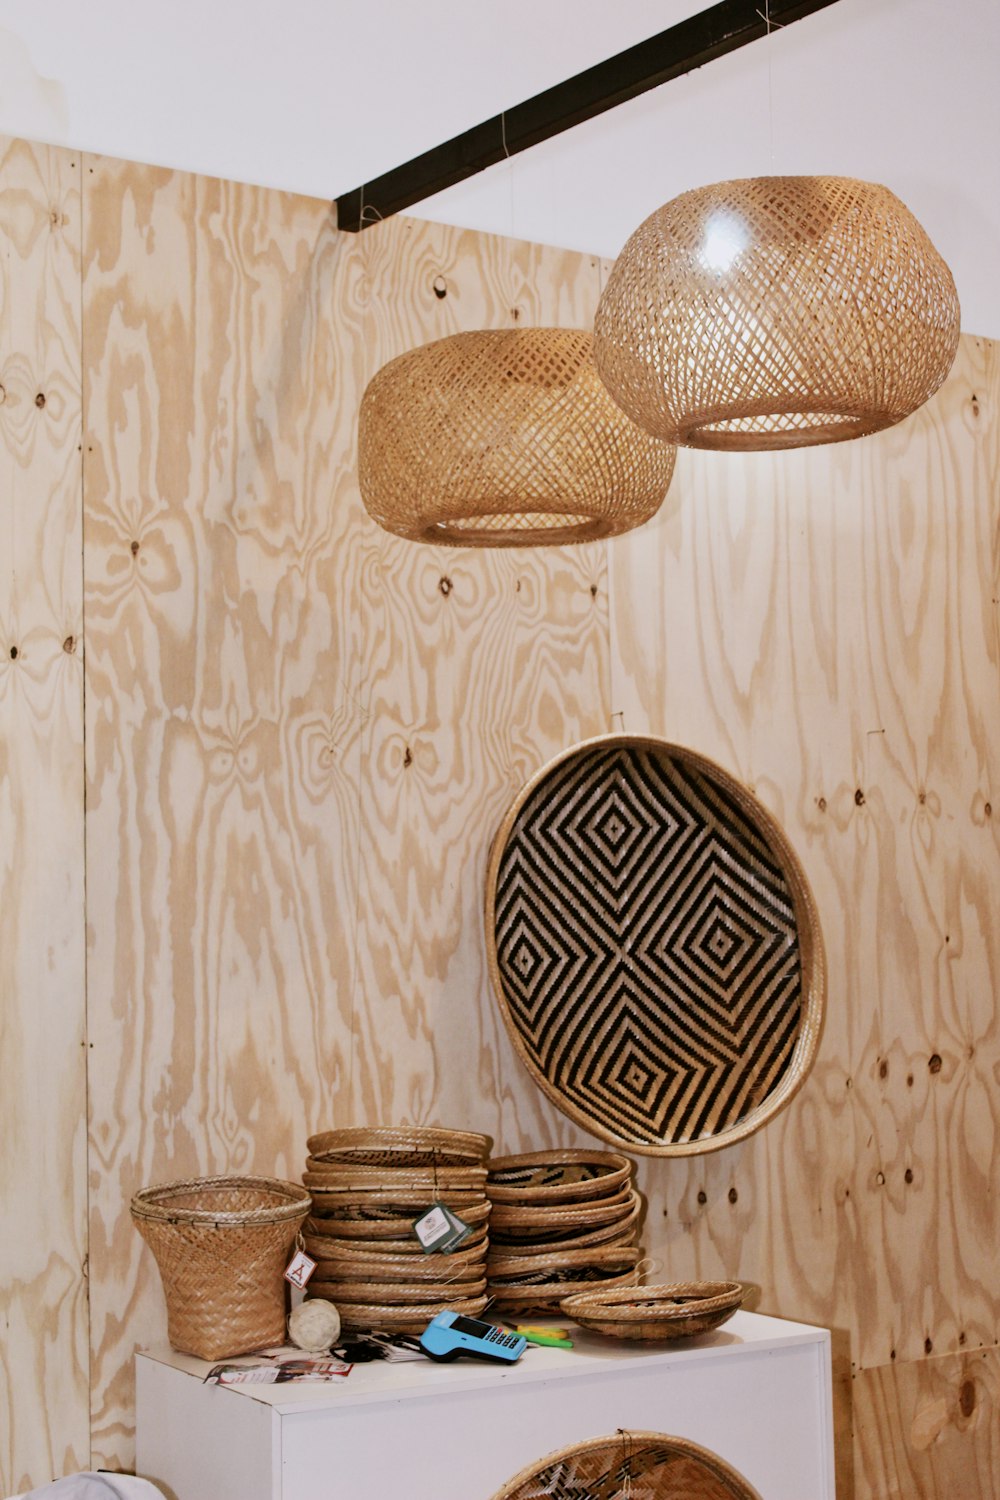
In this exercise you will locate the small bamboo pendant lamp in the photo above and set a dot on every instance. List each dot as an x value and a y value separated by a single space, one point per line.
504 438
776 312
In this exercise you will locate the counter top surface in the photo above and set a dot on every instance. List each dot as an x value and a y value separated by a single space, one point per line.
592 1355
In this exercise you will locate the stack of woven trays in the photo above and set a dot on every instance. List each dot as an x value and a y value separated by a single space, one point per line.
368 1186
562 1222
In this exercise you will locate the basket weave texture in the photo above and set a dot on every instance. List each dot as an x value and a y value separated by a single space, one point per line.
776 312
368 1185
656 1313
504 438
654 949
221 1245
629 1466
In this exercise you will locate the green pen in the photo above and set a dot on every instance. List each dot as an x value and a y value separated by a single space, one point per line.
550 1340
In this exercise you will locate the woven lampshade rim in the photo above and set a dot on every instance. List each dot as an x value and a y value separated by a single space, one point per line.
152 1203
812 952
515 1488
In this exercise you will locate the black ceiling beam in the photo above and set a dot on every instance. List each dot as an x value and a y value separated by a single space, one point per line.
712 33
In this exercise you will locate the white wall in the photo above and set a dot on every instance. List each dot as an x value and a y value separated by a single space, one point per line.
317 95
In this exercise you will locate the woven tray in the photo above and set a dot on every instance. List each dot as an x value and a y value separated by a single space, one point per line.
390 1227
349 1265
545 1177
221 1245
549 1296
537 1222
654 1313
400 1146
645 1465
654 947
572 1265
622 1232
397 1293
336 1178
358 1317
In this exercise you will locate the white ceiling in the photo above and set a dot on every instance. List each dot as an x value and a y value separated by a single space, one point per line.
319 95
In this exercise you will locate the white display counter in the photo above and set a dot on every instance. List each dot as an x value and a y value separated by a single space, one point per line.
757 1392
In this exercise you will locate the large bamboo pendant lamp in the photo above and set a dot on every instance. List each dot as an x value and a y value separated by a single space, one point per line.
504 438
776 312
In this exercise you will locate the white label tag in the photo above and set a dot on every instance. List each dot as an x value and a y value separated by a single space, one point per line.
433 1227
299 1269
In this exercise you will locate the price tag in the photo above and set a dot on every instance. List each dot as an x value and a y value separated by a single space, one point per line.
299 1269
440 1230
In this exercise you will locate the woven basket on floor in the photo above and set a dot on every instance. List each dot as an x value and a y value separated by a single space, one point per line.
643 1465
221 1245
656 1313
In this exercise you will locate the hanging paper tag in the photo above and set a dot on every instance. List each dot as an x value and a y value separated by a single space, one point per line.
440 1231
299 1269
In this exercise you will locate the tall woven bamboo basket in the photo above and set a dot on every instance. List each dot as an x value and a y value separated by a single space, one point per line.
221 1245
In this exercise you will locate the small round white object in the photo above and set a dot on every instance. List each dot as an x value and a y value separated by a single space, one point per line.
314 1325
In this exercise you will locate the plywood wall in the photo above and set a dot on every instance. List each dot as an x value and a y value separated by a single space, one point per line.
43 1182
824 624
301 735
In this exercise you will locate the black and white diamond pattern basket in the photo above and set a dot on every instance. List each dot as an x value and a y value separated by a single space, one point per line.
654 947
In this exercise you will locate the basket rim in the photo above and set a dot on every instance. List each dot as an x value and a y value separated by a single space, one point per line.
811 948
656 1303
684 1447
154 1203
345 1143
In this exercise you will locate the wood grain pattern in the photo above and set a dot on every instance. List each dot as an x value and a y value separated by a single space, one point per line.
223 718
824 624
930 1427
43 1287
479 666
300 734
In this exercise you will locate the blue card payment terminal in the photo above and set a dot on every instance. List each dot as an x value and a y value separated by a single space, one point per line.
450 1334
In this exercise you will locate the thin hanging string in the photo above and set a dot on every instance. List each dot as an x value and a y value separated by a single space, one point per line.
765 16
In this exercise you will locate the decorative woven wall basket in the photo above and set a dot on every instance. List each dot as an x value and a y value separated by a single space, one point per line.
221 1245
649 1465
654 947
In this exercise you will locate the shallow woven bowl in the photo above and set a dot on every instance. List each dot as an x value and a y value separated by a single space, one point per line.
341 1263
776 312
654 947
395 1230
358 1317
504 438
649 1465
545 1177
655 1313
621 1232
547 1297
570 1265
221 1245
399 1146
335 1178
534 1222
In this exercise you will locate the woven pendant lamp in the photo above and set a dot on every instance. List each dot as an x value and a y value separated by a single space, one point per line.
776 312
504 438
